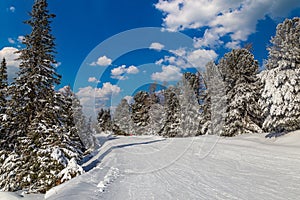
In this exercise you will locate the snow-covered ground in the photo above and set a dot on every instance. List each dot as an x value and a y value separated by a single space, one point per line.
208 167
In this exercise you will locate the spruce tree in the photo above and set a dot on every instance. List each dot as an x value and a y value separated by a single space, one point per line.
239 71
3 104
172 124
122 118
104 120
3 88
140 112
189 100
281 94
32 90
39 147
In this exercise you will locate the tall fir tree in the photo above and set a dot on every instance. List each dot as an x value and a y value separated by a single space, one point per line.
239 70
3 101
122 118
281 94
104 120
171 127
190 88
33 88
3 87
39 147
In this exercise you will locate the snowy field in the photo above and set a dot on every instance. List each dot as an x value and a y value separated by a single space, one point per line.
208 167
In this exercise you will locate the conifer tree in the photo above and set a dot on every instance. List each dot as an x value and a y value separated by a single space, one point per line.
239 71
39 145
33 88
189 100
281 94
3 102
3 88
122 118
104 120
171 126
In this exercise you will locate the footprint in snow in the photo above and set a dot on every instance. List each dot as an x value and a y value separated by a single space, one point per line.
111 175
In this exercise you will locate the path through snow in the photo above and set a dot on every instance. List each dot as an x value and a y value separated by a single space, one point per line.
244 167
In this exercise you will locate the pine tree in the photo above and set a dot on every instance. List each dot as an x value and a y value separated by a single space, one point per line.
73 118
172 124
157 118
122 118
190 87
239 71
3 97
40 151
3 87
281 94
33 88
104 120
140 112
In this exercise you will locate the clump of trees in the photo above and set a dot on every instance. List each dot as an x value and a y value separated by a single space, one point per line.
230 98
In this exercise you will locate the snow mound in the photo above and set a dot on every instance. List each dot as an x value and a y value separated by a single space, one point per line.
73 169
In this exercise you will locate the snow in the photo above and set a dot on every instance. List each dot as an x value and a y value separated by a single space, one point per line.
15 196
247 166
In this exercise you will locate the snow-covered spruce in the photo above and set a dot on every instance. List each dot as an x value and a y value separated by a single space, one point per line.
213 102
281 94
239 71
122 118
39 142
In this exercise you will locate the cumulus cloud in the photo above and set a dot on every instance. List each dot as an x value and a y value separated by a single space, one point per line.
236 19
93 80
196 58
119 72
12 64
169 73
156 46
102 61
93 98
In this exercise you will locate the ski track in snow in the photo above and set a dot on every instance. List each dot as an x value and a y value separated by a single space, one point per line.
208 167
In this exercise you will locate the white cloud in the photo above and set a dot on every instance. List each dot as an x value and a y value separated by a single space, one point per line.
129 99
12 9
169 73
200 57
21 38
188 58
132 70
237 19
103 93
156 46
93 80
233 45
119 72
12 64
102 61
93 98
11 41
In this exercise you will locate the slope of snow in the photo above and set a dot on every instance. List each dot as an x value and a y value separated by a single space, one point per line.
207 167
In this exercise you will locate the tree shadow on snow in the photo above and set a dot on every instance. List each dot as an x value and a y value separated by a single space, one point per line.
102 156
101 141
275 134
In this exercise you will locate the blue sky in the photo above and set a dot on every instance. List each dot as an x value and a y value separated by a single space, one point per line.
106 48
